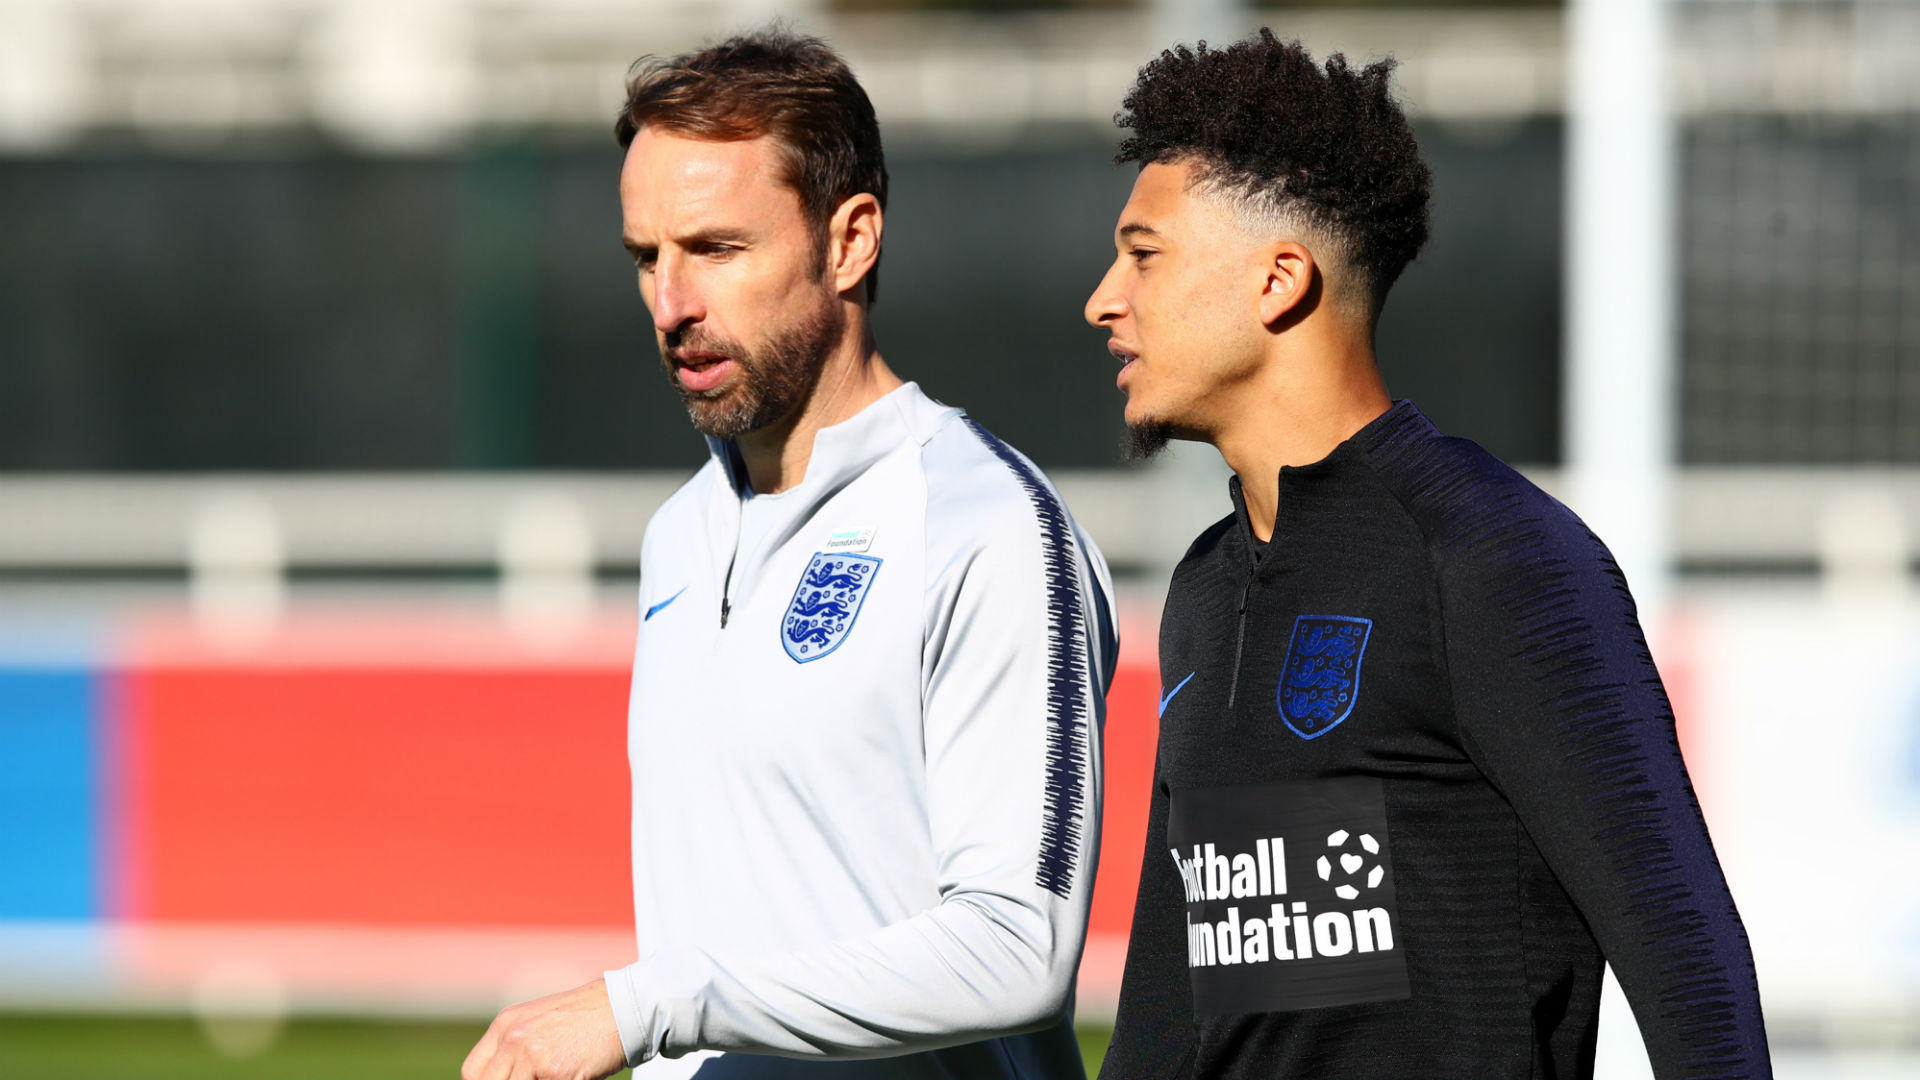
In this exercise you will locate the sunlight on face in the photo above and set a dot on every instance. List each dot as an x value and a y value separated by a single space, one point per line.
1181 302
743 310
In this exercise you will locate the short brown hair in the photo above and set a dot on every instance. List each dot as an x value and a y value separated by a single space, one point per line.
790 87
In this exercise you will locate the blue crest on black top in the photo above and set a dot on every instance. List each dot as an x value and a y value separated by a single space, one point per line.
826 603
1322 676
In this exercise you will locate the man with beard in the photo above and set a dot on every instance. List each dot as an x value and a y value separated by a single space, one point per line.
873 649
1417 776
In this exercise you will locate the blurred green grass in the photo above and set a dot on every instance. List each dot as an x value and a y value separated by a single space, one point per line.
68 1047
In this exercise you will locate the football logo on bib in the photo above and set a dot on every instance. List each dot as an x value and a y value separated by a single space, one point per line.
826 604
1290 894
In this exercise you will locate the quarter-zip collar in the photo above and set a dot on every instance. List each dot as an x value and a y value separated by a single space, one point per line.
1303 492
1250 557
841 453
1305 489
1242 519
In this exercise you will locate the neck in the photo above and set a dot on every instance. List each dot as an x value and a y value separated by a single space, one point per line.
1300 408
854 377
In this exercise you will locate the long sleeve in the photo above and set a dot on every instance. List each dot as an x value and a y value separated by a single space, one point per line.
1153 1031
1016 660
1562 709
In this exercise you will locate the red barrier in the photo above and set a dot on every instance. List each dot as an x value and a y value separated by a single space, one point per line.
378 768
1133 726
404 770
427 797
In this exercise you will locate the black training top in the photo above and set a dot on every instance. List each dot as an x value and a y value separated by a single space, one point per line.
1421 779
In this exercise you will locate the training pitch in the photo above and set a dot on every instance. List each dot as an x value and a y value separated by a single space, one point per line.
166 1048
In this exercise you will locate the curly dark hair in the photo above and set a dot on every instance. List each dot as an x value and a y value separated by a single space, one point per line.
1329 149
790 87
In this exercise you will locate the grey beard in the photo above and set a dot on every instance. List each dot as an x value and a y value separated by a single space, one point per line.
772 382
1145 440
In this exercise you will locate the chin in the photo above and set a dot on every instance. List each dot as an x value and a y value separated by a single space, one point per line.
1140 414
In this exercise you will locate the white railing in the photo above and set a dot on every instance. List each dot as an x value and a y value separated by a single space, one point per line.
431 521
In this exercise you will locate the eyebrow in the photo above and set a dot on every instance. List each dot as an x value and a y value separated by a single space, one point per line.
703 236
1134 228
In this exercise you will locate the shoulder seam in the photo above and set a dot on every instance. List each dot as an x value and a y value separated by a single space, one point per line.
922 432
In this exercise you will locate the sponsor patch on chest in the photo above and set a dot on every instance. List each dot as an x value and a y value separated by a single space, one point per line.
849 539
1289 895
826 604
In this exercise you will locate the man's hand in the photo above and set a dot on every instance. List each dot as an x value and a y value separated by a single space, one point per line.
567 1036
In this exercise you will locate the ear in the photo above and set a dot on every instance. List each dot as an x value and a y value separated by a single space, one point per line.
1289 281
853 240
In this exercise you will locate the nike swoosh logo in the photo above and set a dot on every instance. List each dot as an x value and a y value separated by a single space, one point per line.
1175 690
655 609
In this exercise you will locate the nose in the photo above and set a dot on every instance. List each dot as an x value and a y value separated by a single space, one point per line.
676 303
1106 305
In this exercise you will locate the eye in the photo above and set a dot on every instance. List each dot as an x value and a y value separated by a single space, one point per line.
716 251
644 258
1141 255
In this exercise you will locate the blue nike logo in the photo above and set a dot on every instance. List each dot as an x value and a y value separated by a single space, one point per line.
655 609
1175 690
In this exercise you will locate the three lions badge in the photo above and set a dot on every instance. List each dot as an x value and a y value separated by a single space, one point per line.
826 603
1322 674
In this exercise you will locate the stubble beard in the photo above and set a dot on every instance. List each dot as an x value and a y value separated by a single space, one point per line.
769 384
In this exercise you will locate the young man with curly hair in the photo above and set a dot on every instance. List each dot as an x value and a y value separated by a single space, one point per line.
1417 778
873 648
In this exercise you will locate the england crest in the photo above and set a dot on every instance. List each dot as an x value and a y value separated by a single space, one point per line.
826 603
1322 674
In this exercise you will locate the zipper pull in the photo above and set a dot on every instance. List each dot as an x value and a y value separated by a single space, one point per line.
725 607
